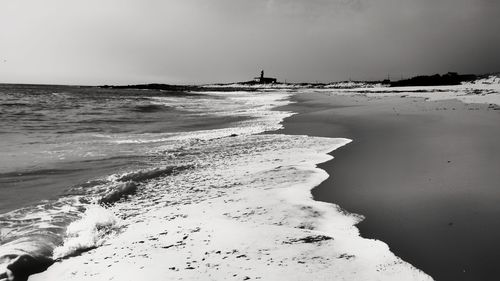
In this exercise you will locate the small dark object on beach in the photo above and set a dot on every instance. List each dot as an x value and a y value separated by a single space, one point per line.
25 265
233 135
309 239
346 256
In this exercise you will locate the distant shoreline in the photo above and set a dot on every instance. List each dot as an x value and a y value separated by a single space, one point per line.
448 79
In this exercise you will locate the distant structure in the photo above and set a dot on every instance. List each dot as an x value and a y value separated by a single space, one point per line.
265 80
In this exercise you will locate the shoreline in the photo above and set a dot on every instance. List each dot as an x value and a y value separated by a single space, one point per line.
266 226
404 148
259 221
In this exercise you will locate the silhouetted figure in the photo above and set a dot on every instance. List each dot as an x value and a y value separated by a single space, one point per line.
265 80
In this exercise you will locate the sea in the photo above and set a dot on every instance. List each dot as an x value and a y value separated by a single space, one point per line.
68 153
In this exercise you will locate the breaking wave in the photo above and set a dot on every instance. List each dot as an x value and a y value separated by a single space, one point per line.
83 217
88 232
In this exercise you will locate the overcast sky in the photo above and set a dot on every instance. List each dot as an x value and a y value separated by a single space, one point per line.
200 41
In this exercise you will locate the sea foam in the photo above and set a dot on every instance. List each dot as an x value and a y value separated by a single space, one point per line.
88 232
245 209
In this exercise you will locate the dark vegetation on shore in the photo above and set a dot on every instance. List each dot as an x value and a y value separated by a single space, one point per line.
450 78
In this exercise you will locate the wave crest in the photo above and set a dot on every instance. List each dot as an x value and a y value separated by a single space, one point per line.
88 232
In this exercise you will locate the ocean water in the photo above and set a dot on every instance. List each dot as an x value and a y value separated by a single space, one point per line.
68 153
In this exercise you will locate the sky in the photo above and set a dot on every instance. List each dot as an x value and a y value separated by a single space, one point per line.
94 42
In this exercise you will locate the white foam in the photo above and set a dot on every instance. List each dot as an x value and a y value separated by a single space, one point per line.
257 106
88 232
243 211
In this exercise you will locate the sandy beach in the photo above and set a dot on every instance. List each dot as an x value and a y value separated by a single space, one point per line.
423 173
244 211
280 140
411 178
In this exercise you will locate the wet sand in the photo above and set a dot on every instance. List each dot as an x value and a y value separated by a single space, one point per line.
423 173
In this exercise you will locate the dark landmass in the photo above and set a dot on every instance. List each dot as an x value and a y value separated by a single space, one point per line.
450 78
164 87
253 82
224 87
176 88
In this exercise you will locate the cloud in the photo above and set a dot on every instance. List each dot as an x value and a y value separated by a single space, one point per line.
174 41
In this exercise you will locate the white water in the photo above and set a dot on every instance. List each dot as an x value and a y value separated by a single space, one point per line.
88 232
248 195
